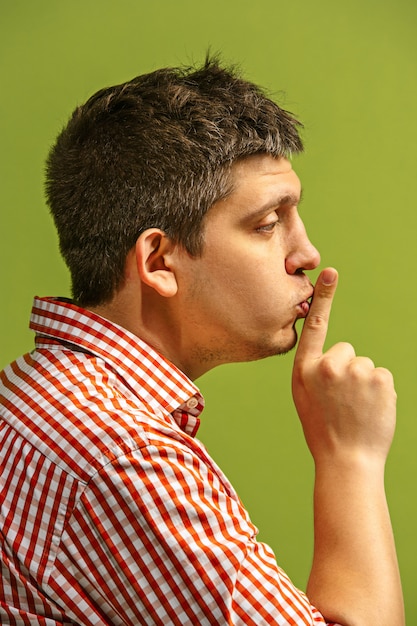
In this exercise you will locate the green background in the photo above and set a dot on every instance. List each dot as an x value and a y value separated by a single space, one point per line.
349 71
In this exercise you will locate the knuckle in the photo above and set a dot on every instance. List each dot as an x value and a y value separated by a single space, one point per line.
360 366
316 321
383 377
328 368
346 347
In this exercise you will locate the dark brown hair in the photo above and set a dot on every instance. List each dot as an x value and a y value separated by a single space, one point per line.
153 152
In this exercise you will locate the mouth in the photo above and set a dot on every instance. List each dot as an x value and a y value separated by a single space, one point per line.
304 306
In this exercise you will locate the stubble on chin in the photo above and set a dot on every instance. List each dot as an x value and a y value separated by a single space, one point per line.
233 352
268 348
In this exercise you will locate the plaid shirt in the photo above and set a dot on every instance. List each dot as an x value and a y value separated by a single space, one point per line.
112 512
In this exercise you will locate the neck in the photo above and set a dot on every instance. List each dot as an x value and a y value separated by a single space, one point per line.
152 318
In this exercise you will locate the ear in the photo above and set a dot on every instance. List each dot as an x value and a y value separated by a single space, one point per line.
154 258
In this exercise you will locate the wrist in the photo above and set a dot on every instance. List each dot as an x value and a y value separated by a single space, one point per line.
350 461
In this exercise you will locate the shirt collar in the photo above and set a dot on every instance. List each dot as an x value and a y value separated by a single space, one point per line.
148 374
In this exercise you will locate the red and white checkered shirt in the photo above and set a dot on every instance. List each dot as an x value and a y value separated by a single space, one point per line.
111 511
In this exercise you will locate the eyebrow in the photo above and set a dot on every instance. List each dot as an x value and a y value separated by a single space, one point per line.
286 198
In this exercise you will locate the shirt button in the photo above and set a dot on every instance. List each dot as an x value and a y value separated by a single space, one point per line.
192 403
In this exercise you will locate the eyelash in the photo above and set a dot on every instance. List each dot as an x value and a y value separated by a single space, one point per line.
268 227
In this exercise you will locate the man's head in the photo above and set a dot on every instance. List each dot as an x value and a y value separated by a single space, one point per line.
155 152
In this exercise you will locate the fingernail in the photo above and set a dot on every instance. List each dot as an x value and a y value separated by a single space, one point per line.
328 277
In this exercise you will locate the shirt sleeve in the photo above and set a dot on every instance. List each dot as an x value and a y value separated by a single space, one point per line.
159 538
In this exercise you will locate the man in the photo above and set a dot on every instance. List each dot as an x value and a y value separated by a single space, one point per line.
176 207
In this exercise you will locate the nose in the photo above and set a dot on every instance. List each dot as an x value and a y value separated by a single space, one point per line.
302 255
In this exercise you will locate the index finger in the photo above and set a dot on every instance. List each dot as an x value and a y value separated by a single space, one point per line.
316 323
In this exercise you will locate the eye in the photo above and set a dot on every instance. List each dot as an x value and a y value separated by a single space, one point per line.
267 228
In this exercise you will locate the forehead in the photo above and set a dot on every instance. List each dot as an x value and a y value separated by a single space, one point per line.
265 171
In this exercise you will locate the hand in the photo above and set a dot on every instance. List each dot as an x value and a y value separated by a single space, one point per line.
346 405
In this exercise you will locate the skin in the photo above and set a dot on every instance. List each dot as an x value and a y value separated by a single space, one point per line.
199 312
347 408
256 249
240 301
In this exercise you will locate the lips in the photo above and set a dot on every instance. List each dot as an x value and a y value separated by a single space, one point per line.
304 306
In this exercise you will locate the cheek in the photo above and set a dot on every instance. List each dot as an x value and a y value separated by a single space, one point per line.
243 274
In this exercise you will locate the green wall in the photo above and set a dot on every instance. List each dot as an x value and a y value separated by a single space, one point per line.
349 71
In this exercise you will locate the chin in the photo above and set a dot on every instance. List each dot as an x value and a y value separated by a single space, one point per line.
267 348
287 342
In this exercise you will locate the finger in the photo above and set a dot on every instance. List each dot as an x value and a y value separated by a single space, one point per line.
343 352
362 364
316 323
